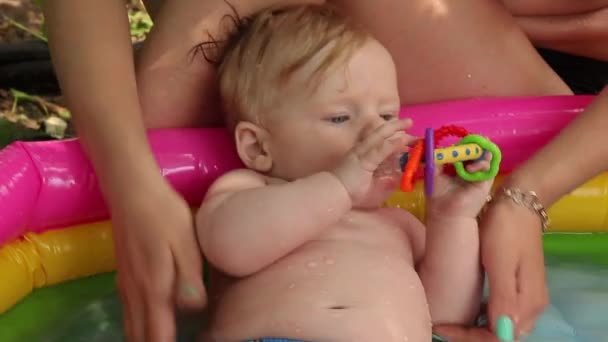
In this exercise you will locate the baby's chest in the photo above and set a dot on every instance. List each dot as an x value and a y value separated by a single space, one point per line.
371 227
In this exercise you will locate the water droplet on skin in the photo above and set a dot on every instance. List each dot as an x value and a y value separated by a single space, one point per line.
298 330
468 75
411 286
329 210
330 261
405 339
311 264
321 274
292 285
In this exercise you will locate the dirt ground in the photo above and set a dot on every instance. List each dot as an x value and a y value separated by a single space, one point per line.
25 121
39 116
24 12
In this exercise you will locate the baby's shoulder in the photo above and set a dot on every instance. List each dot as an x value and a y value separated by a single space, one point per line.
236 180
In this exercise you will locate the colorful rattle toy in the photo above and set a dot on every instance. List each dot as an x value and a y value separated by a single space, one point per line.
471 147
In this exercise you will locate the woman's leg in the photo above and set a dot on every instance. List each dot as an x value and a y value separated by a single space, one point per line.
177 88
456 49
443 49
552 7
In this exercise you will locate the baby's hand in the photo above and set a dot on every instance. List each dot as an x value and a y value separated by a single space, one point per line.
454 197
356 171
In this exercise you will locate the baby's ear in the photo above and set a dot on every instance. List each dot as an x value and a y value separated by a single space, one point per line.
252 146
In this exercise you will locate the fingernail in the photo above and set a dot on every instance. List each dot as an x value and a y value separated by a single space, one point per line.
190 291
504 329
438 338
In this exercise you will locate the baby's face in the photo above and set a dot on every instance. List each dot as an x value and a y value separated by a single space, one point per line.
312 131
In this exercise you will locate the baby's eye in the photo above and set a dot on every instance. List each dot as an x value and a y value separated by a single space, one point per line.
339 119
388 117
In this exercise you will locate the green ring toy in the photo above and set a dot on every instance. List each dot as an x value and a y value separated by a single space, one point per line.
486 145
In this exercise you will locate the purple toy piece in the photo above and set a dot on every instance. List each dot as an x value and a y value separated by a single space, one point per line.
429 161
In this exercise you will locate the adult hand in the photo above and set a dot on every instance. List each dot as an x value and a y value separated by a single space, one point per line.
512 255
158 260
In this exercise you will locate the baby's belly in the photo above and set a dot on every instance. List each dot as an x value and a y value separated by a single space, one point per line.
332 290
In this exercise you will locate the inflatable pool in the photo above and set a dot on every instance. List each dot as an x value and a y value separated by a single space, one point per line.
55 237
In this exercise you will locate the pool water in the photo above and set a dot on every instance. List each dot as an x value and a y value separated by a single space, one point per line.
88 309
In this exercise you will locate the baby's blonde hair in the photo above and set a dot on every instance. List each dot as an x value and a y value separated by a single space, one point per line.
265 50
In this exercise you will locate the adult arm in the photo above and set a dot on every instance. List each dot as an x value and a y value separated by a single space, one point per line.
92 55
512 250
156 250
574 156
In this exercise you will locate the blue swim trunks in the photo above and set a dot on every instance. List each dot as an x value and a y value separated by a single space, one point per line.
269 339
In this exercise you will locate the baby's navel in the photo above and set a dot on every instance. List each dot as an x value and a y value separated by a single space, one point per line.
338 307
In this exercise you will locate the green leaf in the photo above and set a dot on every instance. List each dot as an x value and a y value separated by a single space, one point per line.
11 132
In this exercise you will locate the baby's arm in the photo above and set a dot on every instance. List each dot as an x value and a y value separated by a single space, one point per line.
245 224
451 270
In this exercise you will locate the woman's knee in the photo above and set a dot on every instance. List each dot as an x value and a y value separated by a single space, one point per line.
552 7
456 49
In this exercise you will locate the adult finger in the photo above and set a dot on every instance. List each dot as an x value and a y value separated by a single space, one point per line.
190 290
501 267
158 298
533 294
133 308
126 309
458 333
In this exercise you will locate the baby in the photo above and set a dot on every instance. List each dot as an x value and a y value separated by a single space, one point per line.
299 241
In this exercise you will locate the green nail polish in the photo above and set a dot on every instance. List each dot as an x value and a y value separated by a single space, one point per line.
504 329
437 338
190 291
